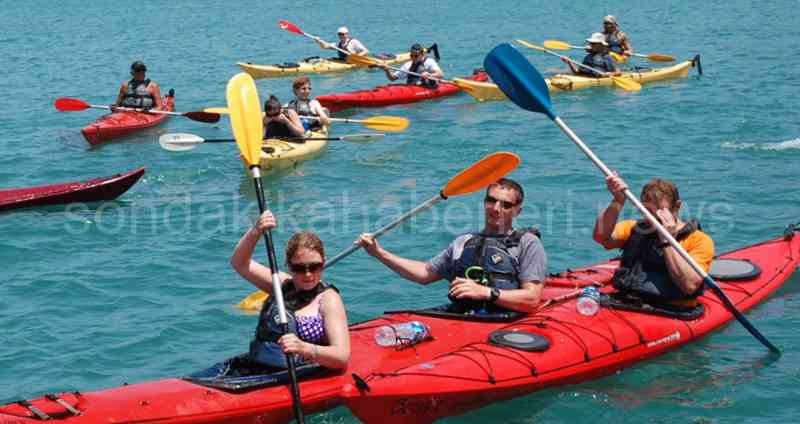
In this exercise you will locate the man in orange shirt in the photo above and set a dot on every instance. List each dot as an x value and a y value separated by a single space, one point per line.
650 267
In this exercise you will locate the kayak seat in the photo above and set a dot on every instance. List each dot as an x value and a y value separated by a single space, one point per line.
287 65
448 311
386 56
733 270
240 374
628 302
520 340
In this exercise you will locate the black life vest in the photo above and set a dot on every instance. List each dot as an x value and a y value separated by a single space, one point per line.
264 349
137 95
643 270
500 268
415 80
277 130
343 46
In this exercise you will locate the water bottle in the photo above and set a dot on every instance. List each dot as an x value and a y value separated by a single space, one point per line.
402 333
589 301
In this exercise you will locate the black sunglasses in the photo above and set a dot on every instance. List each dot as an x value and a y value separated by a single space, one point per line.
272 115
491 200
304 268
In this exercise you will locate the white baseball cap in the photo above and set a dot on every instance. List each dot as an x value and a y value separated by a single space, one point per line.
342 30
598 38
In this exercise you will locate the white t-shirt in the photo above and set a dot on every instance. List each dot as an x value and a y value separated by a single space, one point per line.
355 46
429 65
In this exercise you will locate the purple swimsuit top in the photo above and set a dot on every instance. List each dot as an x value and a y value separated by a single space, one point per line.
311 328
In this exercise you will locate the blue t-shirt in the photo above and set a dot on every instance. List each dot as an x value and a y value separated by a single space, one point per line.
529 253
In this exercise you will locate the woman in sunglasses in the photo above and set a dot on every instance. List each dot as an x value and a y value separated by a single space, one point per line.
317 317
279 122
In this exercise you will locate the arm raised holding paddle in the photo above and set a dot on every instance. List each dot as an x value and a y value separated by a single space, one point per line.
346 44
493 271
427 70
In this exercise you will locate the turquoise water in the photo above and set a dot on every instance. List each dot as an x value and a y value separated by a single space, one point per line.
140 288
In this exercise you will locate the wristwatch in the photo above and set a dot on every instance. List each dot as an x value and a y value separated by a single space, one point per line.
494 294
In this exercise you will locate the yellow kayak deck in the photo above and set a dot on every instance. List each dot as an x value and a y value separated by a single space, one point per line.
281 155
318 65
483 91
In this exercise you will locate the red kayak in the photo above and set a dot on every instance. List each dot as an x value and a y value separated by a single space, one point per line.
468 363
105 188
392 94
121 124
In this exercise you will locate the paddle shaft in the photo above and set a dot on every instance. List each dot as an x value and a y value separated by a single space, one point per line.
278 293
399 220
133 109
231 140
670 239
607 74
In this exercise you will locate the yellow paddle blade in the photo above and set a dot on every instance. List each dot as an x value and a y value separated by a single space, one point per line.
253 302
245 114
386 123
481 91
529 45
481 173
219 110
626 84
655 57
619 58
362 60
554 44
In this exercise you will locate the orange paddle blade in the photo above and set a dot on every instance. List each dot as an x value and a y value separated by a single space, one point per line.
481 173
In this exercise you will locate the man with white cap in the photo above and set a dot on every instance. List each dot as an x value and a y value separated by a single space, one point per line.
346 43
598 58
617 40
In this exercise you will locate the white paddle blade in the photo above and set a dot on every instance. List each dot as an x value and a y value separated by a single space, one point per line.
362 138
179 142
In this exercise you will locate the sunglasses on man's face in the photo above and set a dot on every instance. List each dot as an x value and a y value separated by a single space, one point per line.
272 115
304 268
490 200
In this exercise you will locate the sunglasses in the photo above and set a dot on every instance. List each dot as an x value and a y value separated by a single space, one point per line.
304 268
504 204
272 115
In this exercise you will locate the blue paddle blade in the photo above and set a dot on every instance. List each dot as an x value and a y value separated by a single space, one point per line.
518 79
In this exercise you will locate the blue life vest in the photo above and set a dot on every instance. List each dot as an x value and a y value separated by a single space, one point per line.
303 108
614 42
643 269
137 95
599 61
265 349
501 269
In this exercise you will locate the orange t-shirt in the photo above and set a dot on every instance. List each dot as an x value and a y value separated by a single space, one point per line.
698 244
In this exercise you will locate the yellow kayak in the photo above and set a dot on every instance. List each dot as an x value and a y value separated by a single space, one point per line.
483 91
281 155
315 65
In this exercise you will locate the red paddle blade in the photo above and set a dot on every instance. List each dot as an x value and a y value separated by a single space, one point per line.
288 26
202 117
68 104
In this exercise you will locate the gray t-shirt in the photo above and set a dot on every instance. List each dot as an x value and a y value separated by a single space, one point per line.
529 254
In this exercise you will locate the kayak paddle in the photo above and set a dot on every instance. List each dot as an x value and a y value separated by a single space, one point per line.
653 57
69 104
378 123
248 129
179 142
477 176
626 84
524 85
463 84
288 26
